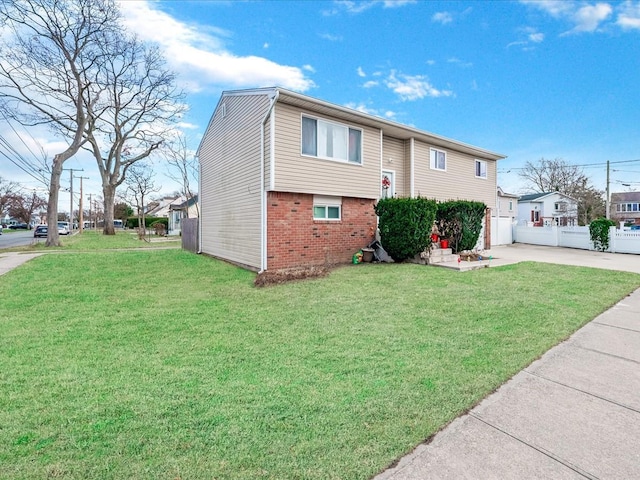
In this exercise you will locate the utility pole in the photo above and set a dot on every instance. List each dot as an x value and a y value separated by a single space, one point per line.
607 214
71 170
90 197
81 211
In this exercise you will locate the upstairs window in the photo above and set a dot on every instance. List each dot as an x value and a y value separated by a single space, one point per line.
481 169
438 159
330 140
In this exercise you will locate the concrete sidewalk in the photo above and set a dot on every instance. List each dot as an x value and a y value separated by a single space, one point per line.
11 260
574 413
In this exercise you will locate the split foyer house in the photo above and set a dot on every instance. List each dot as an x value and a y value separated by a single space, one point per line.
287 180
549 208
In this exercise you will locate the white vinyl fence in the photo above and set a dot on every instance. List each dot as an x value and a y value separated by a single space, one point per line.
501 231
620 241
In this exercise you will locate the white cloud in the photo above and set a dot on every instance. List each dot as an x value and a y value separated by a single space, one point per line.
431 62
413 87
629 16
371 83
356 7
532 36
442 17
331 38
309 68
265 46
589 17
585 17
361 72
198 53
397 3
536 37
460 63
363 108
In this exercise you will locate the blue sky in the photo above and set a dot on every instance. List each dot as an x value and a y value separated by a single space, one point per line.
528 79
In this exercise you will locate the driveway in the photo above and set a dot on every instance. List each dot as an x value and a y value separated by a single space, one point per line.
521 252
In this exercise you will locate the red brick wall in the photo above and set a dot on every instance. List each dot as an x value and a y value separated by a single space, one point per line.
295 239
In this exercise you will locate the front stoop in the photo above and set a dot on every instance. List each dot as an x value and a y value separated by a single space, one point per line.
441 255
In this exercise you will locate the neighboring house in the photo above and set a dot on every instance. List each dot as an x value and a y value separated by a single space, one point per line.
160 208
503 217
507 205
182 208
625 207
287 180
549 208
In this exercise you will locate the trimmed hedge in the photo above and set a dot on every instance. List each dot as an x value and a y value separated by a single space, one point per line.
405 225
460 221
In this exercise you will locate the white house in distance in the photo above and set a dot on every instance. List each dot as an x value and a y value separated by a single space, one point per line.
548 208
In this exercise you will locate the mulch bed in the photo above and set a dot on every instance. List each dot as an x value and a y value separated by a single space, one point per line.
277 277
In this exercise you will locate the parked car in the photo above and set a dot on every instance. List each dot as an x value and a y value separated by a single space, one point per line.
63 228
19 226
40 231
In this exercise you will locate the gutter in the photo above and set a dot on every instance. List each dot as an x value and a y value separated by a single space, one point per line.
263 193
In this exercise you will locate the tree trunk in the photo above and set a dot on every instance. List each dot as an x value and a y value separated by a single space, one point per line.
53 239
109 192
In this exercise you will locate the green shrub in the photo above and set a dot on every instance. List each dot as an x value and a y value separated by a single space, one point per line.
132 222
599 233
460 221
405 225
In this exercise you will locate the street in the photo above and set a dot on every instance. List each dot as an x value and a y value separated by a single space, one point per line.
17 238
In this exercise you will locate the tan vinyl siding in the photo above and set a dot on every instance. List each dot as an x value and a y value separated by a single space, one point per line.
302 174
458 182
393 159
230 162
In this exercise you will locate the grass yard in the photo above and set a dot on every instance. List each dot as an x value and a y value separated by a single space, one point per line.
94 240
168 365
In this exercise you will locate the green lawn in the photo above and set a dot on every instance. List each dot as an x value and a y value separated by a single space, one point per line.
168 365
95 240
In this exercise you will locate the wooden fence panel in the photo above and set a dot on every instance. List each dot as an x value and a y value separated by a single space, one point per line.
190 234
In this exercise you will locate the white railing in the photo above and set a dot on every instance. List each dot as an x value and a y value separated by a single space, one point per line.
620 241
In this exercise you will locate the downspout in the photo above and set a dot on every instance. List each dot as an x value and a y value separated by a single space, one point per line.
199 249
263 193
412 174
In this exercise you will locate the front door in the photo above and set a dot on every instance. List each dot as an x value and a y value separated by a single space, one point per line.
388 184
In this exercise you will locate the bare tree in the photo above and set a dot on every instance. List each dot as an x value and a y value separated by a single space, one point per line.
140 185
7 190
554 176
183 167
559 176
52 51
22 206
142 104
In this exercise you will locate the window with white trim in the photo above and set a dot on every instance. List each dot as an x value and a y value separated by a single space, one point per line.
481 169
327 208
330 140
438 159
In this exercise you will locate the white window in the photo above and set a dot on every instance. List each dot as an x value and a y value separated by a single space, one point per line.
331 140
481 169
327 208
438 159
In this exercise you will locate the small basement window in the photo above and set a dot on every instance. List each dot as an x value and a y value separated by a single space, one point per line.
327 208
